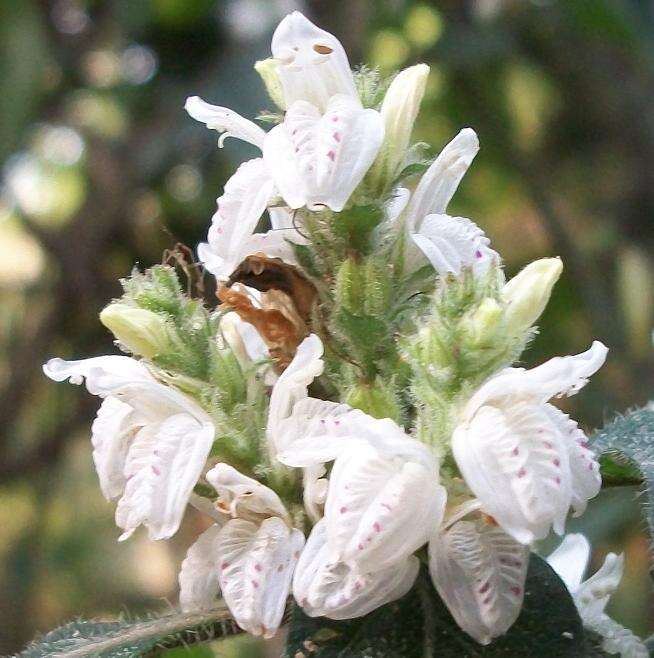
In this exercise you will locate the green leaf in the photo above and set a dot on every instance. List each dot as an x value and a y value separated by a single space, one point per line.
419 626
131 638
354 225
628 442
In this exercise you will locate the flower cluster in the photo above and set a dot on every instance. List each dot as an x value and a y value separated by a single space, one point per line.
349 410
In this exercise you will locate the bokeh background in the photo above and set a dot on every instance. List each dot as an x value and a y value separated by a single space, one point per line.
101 168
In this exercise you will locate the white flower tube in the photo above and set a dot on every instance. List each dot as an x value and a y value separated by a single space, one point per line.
525 460
150 441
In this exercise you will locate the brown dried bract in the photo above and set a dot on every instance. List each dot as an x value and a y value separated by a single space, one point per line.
279 333
266 274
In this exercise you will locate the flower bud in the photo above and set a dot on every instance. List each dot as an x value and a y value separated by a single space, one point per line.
267 69
399 111
481 326
142 332
527 294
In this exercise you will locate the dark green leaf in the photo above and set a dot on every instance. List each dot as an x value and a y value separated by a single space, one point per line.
419 626
355 225
629 442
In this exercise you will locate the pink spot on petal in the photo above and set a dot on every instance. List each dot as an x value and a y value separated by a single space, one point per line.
337 137
556 462
224 565
547 444
376 527
257 567
557 480
156 471
360 547
487 600
478 254
331 155
516 590
255 584
522 472
334 119
280 568
343 510
515 452
484 588
387 506
337 422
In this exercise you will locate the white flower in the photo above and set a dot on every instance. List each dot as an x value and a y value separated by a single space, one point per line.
526 461
312 64
448 243
328 587
319 159
591 596
479 572
315 158
452 243
150 441
384 499
250 559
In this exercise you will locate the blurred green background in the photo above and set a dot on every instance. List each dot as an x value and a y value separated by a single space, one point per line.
102 168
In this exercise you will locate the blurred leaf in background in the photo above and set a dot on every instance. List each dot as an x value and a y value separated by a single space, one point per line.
102 168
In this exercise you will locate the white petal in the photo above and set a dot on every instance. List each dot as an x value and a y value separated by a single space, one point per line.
314 494
163 465
439 183
198 577
244 340
584 468
570 560
103 374
326 429
319 161
617 639
327 587
257 564
280 217
246 195
562 375
516 463
243 496
452 243
292 386
313 65
380 509
593 594
225 121
348 141
111 433
479 572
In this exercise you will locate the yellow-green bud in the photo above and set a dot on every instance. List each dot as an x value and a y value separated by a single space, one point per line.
267 69
142 332
482 324
399 111
526 295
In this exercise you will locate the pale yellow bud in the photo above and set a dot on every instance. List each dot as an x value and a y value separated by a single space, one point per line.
526 295
140 331
267 69
481 326
399 111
